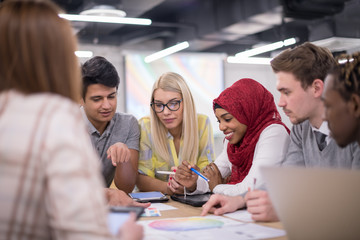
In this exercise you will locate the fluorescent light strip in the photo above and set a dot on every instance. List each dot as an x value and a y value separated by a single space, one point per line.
84 54
251 60
290 41
166 52
104 19
266 48
345 60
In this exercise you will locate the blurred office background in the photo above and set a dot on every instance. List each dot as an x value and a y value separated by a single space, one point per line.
216 34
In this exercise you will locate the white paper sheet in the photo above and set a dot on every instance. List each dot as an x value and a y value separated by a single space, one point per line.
242 215
162 206
229 229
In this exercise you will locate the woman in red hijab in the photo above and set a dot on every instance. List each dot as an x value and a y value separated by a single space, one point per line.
255 136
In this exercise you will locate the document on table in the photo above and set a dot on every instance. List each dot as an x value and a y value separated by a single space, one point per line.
204 228
162 206
155 208
242 215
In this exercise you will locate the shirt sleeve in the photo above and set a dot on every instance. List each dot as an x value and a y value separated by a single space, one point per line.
222 161
134 134
356 155
146 160
269 151
206 142
295 155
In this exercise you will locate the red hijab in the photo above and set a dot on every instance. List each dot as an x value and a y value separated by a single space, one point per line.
251 104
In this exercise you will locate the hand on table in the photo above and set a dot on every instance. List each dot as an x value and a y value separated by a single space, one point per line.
259 205
220 204
117 197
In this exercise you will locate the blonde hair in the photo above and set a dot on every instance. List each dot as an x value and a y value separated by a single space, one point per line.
37 50
173 82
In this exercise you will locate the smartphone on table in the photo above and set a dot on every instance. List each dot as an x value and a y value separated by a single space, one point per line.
149 196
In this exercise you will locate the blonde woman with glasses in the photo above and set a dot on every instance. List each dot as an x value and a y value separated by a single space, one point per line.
173 132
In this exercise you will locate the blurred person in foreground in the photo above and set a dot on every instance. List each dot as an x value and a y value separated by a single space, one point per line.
50 181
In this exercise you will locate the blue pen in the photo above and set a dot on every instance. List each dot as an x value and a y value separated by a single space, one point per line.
197 172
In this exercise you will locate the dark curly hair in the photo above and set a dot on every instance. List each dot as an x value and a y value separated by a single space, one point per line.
347 75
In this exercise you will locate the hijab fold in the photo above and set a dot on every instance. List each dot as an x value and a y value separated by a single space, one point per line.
251 104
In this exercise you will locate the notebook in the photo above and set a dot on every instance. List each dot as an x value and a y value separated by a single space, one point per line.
316 203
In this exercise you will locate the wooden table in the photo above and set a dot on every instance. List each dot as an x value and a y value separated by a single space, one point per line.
185 210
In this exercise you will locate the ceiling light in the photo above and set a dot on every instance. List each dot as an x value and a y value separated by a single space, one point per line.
345 60
105 14
84 54
266 48
105 19
104 10
338 44
166 52
250 60
290 41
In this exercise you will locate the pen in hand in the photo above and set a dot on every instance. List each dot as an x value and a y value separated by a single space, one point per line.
165 172
198 173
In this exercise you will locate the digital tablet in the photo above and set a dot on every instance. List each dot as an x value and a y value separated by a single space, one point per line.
193 200
119 215
149 197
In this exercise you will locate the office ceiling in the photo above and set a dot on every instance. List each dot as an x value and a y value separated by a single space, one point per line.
224 26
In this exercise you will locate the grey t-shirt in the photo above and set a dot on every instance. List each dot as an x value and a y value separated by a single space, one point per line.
122 128
303 151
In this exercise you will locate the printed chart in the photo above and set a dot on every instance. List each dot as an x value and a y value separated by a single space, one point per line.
206 228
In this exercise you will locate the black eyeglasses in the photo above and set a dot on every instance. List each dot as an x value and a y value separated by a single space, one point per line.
173 105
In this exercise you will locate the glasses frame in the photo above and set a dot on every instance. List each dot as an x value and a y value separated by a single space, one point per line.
166 105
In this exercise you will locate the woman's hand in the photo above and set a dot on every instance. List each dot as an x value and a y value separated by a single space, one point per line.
212 173
185 177
173 187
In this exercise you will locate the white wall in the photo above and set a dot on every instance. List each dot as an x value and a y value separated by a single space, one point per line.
261 73
232 72
114 55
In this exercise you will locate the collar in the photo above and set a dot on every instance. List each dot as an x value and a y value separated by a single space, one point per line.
324 129
92 129
169 136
